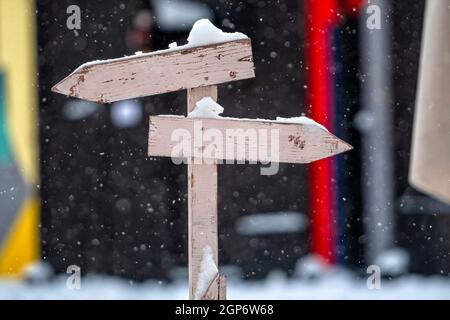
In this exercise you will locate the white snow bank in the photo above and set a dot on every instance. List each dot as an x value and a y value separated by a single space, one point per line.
203 32
337 284
312 266
208 270
206 108
393 262
38 271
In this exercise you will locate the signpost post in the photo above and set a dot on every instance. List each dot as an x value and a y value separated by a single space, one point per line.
198 70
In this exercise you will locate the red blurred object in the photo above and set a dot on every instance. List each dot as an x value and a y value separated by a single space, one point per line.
322 16
139 37
139 40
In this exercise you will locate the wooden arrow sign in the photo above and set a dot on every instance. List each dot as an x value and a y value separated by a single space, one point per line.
241 140
199 69
160 72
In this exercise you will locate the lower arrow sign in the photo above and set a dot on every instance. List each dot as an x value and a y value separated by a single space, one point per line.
230 139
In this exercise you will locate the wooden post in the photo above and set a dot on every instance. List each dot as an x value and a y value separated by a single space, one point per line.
202 204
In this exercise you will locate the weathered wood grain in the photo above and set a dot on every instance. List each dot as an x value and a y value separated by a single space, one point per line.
222 287
298 143
217 290
202 205
150 74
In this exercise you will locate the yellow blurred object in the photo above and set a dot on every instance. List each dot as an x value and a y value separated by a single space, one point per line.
18 60
22 244
19 244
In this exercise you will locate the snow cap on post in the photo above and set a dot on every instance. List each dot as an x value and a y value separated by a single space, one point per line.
210 57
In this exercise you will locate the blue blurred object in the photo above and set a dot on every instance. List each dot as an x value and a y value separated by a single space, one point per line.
179 15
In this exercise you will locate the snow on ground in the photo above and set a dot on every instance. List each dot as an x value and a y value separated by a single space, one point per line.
393 261
334 284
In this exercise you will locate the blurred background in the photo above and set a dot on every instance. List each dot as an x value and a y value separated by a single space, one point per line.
77 186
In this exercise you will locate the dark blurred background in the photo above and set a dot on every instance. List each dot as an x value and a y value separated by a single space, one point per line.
109 208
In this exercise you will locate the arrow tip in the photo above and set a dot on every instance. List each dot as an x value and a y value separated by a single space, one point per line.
66 86
341 146
55 88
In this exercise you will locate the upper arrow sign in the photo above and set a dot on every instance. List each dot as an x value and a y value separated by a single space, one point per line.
160 72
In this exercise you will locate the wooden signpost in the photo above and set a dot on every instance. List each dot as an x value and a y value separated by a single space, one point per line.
198 70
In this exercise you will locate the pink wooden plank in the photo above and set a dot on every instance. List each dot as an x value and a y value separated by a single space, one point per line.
222 287
297 143
145 75
217 290
202 206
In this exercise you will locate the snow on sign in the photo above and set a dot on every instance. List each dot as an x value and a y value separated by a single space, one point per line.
203 139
